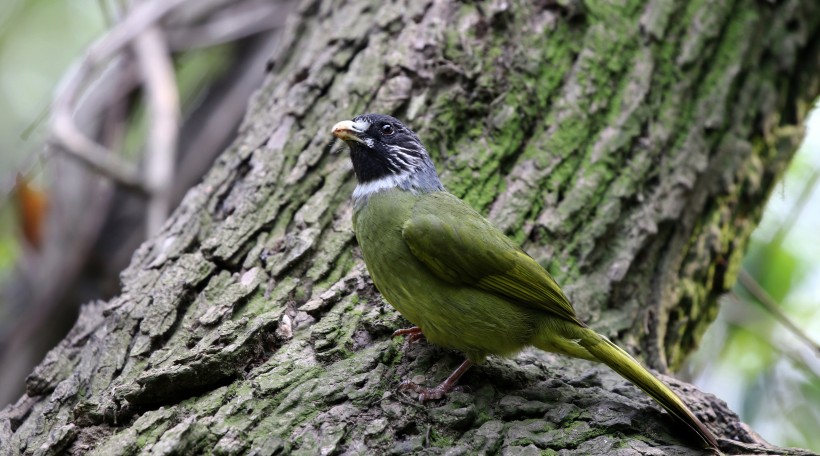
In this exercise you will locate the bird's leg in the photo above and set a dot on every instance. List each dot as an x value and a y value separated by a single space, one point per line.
413 334
428 394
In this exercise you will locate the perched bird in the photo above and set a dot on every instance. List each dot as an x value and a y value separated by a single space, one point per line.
459 279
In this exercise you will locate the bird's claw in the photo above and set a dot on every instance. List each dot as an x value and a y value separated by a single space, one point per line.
430 394
424 394
413 334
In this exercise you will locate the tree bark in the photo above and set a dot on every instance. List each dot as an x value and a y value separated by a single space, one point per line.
628 148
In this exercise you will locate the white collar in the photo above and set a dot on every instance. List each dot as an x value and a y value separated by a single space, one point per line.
363 191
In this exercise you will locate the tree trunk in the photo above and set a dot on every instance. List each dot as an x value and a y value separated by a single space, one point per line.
628 148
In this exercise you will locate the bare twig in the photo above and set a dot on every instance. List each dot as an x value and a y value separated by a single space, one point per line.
245 18
796 210
65 131
163 101
772 306
233 24
94 155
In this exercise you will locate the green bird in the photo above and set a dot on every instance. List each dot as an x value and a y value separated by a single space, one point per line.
459 279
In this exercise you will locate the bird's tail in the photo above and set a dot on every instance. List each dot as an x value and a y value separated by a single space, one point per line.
613 356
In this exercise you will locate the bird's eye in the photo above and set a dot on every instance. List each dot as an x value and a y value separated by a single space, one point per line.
387 130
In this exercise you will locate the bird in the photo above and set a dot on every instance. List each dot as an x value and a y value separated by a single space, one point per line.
457 278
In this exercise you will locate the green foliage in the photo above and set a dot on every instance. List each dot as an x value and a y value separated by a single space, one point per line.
9 247
777 269
38 41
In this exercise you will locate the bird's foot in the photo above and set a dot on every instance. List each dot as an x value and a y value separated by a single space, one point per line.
413 334
431 394
426 394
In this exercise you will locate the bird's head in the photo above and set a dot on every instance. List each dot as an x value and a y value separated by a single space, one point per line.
386 154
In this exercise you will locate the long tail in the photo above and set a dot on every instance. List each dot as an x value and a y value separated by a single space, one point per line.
620 361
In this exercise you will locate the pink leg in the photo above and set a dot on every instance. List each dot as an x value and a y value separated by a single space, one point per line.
413 334
427 394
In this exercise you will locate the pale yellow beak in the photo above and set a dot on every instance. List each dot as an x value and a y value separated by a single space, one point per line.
346 131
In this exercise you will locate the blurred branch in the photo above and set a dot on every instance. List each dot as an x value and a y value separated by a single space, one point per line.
66 132
207 23
163 101
94 155
796 210
773 307
234 23
743 324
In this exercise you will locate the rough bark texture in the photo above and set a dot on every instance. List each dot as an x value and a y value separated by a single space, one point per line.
629 146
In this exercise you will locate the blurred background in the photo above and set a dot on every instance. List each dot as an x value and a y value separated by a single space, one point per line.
181 97
759 355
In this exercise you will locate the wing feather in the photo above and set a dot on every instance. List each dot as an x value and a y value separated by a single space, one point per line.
461 247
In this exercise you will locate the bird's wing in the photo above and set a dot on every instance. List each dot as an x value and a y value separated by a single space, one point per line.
462 247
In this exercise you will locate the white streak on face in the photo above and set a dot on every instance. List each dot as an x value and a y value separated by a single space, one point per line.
406 157
361 125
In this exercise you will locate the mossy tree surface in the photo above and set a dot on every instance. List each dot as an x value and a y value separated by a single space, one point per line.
628 146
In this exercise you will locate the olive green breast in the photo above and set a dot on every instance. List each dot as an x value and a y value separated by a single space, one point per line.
457 316
395 271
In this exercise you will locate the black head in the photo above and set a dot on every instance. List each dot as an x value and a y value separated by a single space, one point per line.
382 147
